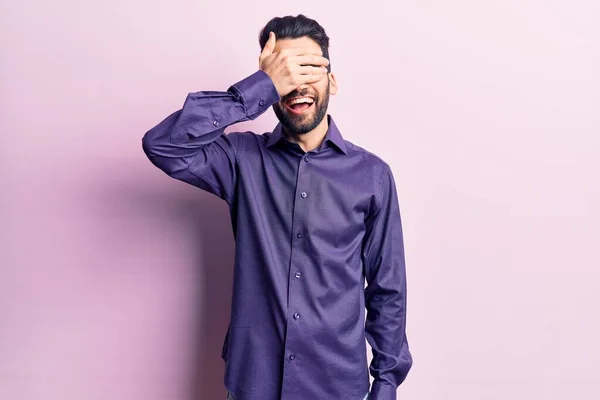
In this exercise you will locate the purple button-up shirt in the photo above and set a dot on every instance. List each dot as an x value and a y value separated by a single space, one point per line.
309 228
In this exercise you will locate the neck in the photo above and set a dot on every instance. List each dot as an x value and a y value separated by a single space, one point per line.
310 140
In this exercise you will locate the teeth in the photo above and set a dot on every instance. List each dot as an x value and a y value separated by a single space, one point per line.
301 100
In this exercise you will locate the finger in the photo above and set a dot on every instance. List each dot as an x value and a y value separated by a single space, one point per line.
310 59
311 70
310 78
269 46
296 51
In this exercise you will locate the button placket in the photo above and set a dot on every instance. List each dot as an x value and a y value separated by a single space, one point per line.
297 258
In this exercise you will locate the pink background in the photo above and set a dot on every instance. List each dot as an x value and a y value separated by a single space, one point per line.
115 280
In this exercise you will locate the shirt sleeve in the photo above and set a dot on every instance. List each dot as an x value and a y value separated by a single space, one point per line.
191 145
385 294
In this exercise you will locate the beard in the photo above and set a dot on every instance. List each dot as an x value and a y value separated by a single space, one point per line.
304 123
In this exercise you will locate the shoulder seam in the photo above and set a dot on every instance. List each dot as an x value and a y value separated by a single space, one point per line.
359 149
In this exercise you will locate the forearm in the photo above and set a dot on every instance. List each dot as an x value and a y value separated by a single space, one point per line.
385 330
203 118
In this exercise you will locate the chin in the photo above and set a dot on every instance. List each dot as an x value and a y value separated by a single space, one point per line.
300 128
293 124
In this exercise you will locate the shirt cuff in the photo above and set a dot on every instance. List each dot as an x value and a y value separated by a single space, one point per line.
258 92
382 391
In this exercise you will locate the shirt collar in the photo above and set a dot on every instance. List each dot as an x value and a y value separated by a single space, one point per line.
333 135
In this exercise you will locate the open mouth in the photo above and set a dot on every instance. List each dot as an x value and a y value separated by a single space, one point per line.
299 105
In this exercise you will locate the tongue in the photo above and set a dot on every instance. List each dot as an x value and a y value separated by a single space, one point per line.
300 106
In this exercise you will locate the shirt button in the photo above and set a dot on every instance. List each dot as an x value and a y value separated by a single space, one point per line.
306 158
292 356
303 194
296 315
215 123
300 234
297 275
261 103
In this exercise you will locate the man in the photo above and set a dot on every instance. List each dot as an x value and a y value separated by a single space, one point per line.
313 216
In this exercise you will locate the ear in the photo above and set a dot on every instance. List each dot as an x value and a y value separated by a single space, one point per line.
333 88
